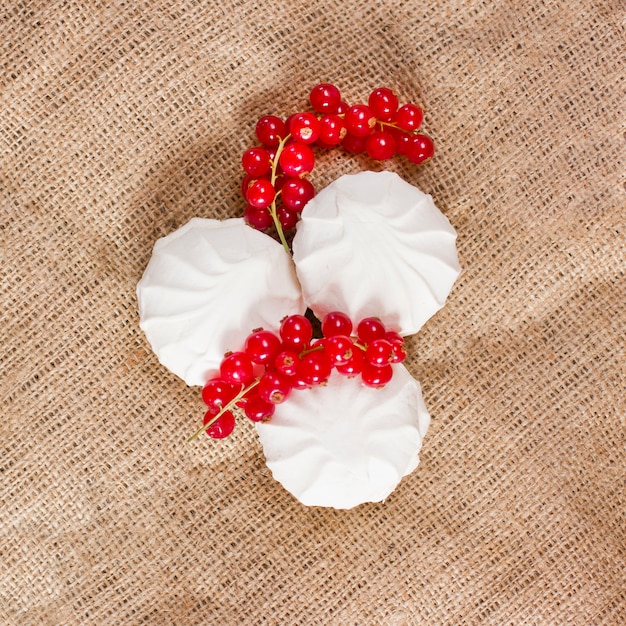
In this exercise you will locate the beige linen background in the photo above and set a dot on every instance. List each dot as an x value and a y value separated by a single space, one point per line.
122 120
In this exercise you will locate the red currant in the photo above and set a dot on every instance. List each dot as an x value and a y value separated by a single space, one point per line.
339 348
261 193
261 219
270 130
279 181
222 426
409 117
332 130
216 393
374 376
380 145
369 329
286 362
336 323
296 332
257 409
399 347
245 184
315 368
359 120
325 98
296 192
353 144
402 139
296 159
379 352
304 127
262 346
256 161
237 368
287 218
355 365
274 387
420 148
383 103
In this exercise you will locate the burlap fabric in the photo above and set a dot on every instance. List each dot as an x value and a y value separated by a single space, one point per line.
122 120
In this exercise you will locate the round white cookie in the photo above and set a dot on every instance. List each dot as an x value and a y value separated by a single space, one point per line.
344 444
371 244
206 287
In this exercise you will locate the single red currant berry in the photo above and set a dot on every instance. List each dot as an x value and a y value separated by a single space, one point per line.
399 353
315 368
409 117
262 346
256 161
279 181
274 387
297 382
379 352
261 219
380 145
287 218
359 120
288 121
296 332
261 193
332 130
420 148
257 409
342 108
339 348
325 98
353 144
222 426
384 103
296 159
399 347
393 337
374 376
304 127
296 192
336 323
369 329
270 130
286 362
237 368
245 185
402 139
216 393
355 365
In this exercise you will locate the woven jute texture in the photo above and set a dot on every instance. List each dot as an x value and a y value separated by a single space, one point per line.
119 122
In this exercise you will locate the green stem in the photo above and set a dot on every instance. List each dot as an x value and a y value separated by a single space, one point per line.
226 407
272 208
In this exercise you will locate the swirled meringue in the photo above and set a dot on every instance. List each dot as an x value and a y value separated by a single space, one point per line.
371 244
344 444
206 287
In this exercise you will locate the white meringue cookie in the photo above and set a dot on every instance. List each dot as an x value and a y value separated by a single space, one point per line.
206 287
371 244
344 444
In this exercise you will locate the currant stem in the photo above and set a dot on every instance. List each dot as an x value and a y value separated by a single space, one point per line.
272 208
314 348
227 407
393 125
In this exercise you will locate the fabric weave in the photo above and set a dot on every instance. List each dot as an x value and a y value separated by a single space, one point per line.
120 122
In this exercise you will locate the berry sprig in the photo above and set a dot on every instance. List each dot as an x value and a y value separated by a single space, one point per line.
275 186
270 366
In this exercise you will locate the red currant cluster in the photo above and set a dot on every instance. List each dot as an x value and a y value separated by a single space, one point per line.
271 365
277 168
